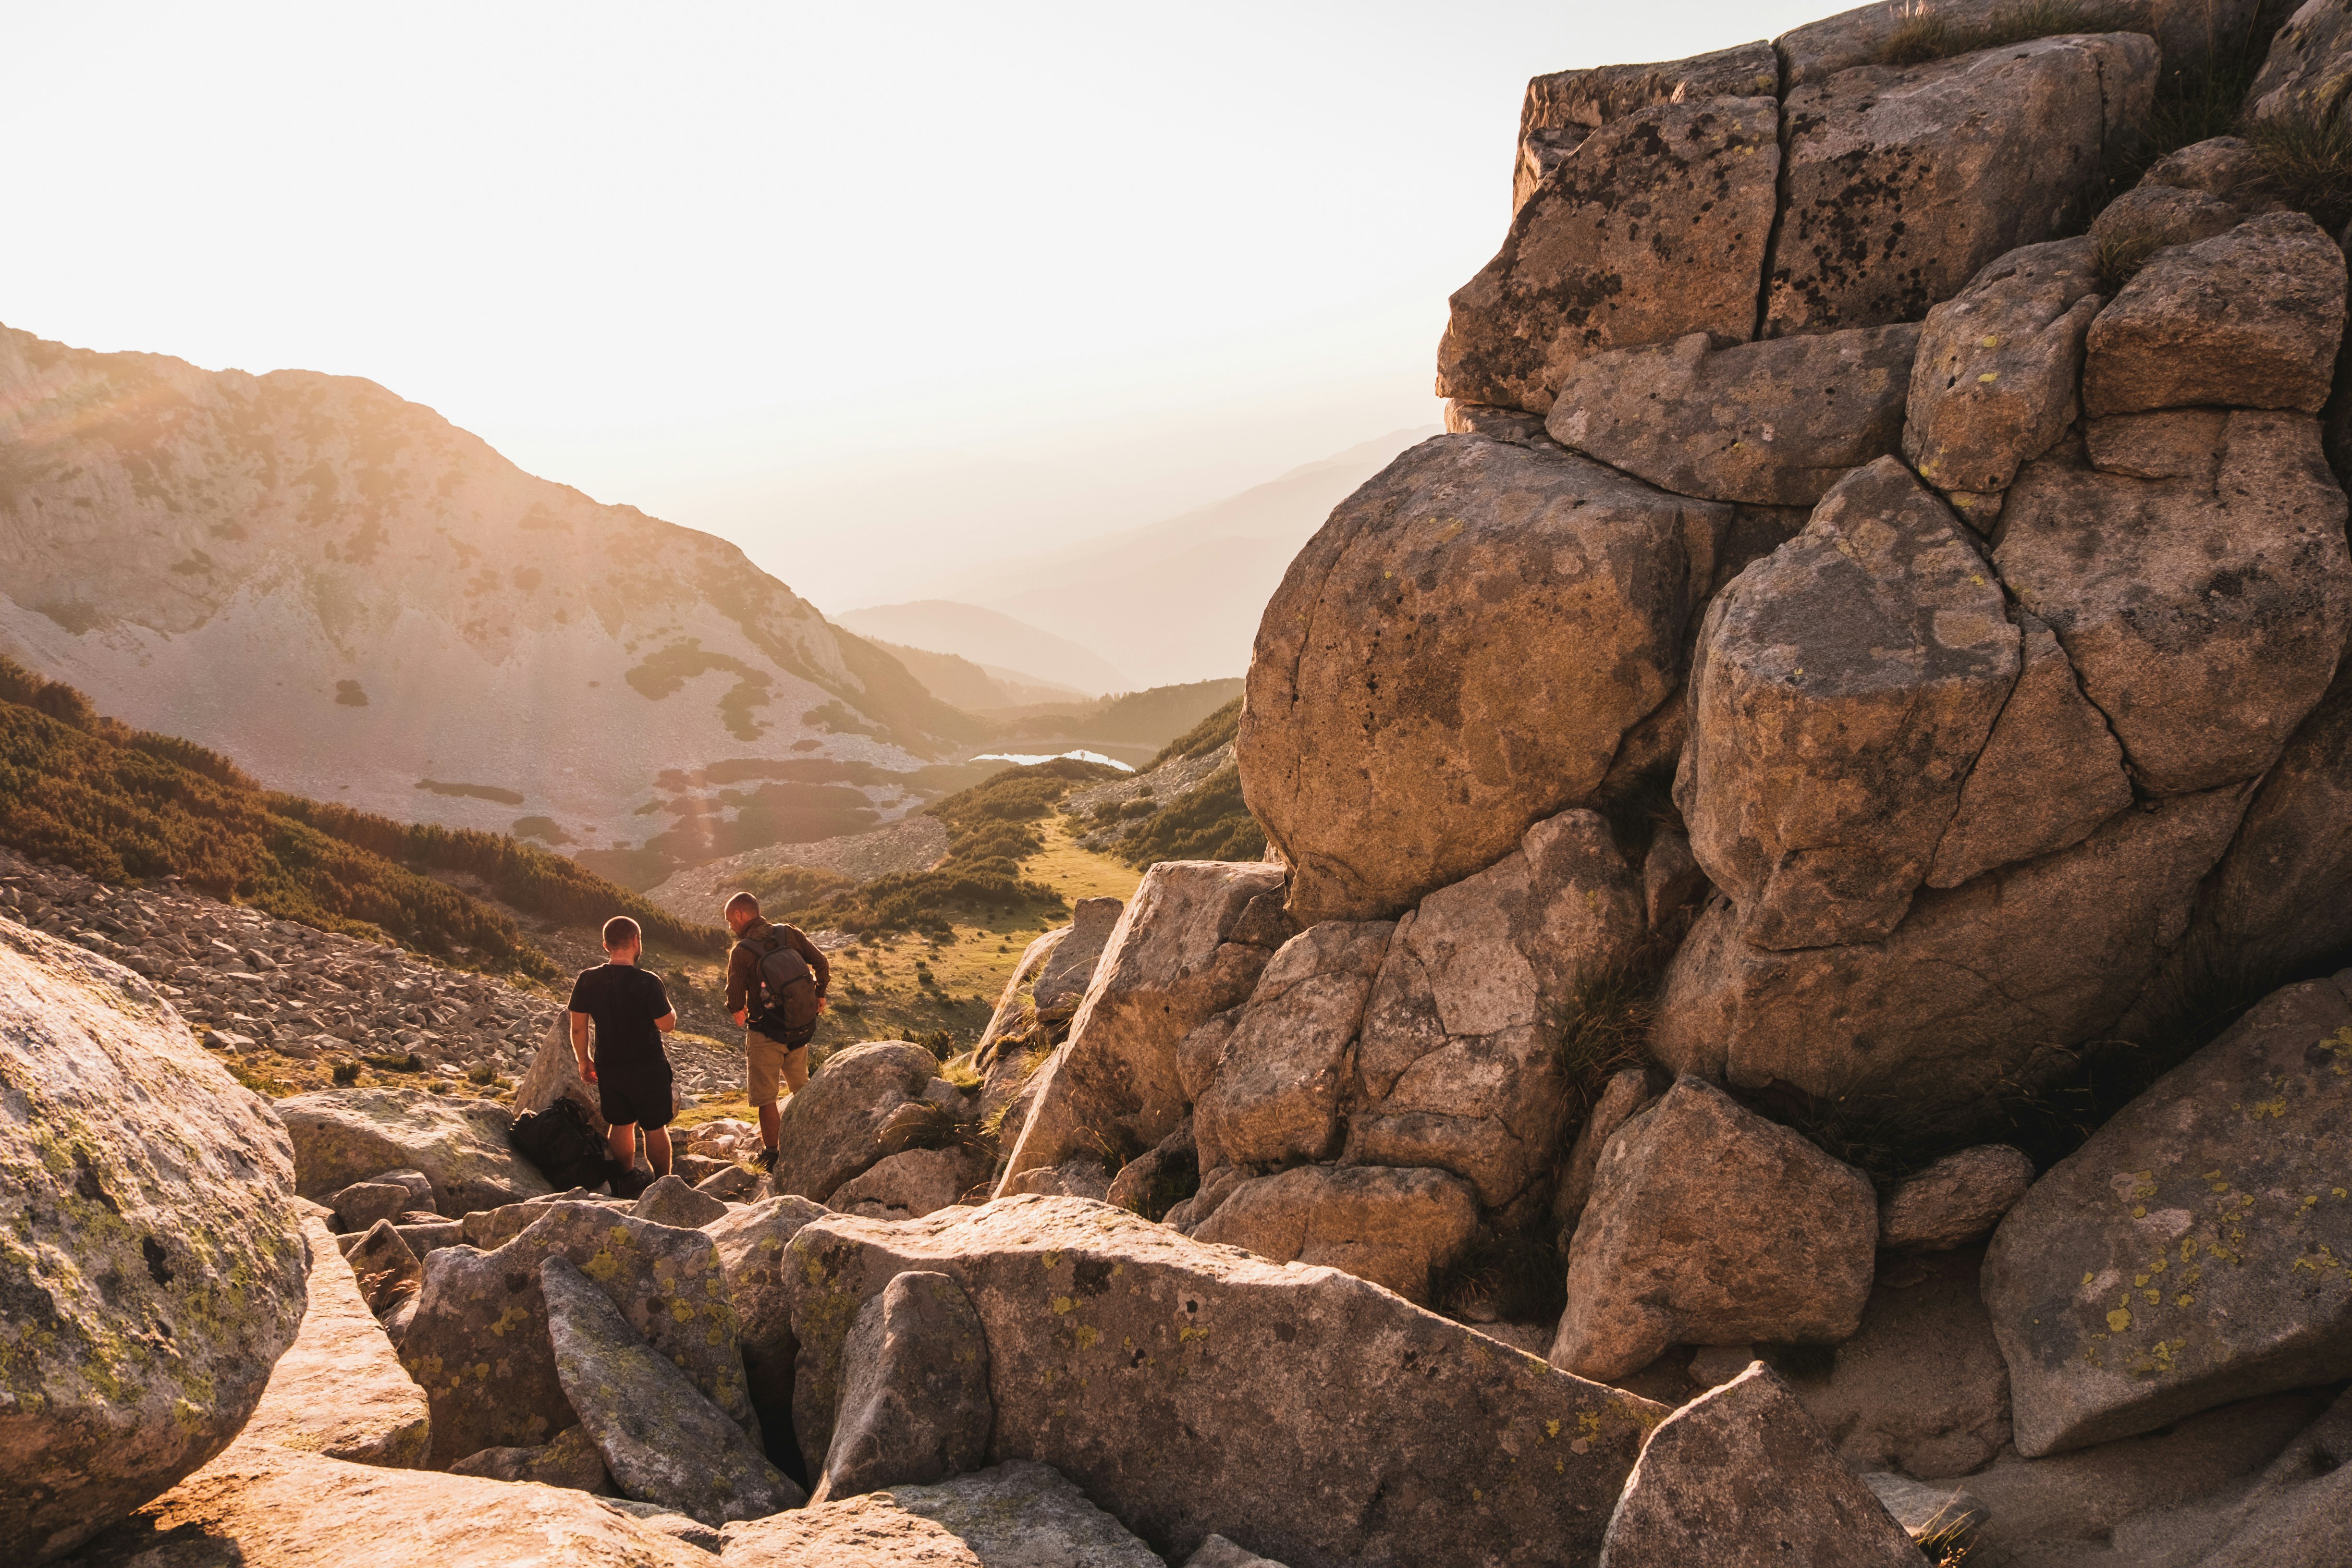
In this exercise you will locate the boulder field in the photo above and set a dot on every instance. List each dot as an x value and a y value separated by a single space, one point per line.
1798 1007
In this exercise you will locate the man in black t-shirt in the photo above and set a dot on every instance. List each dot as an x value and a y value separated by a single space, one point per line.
630 1069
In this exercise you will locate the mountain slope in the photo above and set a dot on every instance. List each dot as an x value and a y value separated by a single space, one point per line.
123 804
1180 600
990 637
361 602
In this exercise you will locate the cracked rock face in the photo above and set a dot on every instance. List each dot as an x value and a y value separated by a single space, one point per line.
1774 423
1901 182
1654 226
1843 688
152 1265
2198 1249
1459 653
1458 1067
2205 614
1972 998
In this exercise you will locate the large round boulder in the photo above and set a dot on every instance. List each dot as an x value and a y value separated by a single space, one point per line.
1456 655
152 1266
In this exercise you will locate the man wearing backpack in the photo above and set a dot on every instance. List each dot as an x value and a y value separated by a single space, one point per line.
776 981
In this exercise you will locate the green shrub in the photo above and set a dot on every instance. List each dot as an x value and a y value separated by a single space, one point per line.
1208 822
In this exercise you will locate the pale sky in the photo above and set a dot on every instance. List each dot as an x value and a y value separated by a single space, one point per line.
879 292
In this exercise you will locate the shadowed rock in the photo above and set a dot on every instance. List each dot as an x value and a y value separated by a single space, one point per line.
914 1394
2193 1250
831 1129
1392 1228
1973 999
573 1460
663 1441
670 1201
2049 774
1459 653
478 1344
1955 1201
1708 1225
750 1243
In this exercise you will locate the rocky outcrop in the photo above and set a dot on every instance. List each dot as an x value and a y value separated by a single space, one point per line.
1271 1094
2248 319
1458 1067
1655 225
1741 1478
339 1390
1193 1390
2194 1250
914 1406
1457 655
662 1438
1392 1228
2204 613
2004 147
1018 1514
344 1136
1775 423
1954 1201
830 1130
666 1283
1708 1225
1842 690
153 1269
1193 942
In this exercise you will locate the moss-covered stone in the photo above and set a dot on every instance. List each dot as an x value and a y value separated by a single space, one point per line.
150 1263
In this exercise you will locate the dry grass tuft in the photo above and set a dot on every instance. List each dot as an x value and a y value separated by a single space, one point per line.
2306 162
1928 34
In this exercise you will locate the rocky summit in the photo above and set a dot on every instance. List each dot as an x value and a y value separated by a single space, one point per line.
1798 1008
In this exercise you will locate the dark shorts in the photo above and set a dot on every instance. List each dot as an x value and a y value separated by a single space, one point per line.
643 1097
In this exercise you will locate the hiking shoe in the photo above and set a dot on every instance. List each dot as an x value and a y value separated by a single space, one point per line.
767 1161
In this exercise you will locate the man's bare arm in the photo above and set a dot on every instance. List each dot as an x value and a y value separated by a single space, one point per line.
579 1047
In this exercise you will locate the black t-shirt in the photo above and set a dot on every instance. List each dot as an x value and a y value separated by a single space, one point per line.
624 999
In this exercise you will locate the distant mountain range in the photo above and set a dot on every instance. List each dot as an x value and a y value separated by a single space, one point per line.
1176 601
359 602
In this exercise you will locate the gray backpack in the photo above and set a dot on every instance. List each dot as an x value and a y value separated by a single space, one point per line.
787 985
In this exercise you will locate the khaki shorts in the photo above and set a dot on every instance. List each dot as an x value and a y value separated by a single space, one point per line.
774 1066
